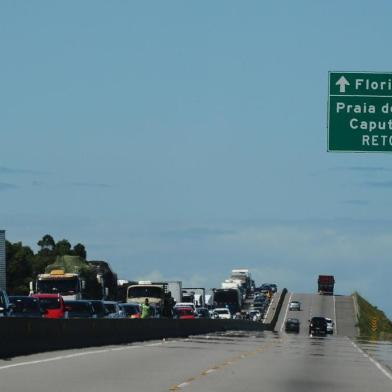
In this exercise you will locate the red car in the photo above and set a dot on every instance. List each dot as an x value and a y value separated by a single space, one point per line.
52 305
184 313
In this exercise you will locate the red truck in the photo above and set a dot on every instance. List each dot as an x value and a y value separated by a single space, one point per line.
326 284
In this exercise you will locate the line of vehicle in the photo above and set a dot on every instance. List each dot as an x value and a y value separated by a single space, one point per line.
75 355
287 311
372 360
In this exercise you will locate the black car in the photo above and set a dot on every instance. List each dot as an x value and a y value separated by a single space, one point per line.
79 309
25 306
318 326
202 313
99 308
292 325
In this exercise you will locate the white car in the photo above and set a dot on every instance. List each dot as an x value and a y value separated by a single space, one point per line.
295 305
330 325
223 313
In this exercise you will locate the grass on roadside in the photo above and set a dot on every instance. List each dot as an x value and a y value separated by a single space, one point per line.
370 316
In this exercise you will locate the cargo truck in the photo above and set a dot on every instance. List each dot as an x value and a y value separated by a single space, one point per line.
228 298
75 278
326 284
244 277
196 295
157 293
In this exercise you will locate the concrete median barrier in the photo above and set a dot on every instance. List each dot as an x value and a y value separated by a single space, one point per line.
277 307
27 336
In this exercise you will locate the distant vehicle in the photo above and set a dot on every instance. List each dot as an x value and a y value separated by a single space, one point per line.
230 298
5 304
326 284
265 288
244 276
292 325
130 310
184 313
185 304
330 325
260 300
52 305
112 309
79 309
223 313
274 287
318 326
295 305
25 306
156 293
202 313
75 278
255 315
99 309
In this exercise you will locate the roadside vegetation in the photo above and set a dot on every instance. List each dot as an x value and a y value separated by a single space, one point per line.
23 264
373 323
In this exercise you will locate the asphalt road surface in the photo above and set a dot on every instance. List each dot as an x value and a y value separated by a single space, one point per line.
263 361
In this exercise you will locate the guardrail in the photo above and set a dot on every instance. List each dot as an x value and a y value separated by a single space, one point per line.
26 336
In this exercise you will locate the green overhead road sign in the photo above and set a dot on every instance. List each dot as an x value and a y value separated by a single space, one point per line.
360 112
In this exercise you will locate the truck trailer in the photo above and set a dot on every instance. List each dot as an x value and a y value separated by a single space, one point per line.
326 284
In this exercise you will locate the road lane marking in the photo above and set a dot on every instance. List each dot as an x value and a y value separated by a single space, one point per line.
221 366
285 315
372 360
76 355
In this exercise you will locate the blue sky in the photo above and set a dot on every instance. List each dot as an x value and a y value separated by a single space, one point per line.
183 139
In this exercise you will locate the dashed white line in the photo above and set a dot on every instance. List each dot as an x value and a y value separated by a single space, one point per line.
372 360
75 355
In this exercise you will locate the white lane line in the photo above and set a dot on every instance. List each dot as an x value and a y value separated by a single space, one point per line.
285 315
372 360
336 321
82 354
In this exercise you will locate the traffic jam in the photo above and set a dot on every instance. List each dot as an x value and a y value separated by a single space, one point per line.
59 293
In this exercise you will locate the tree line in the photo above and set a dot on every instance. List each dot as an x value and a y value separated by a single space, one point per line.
23 265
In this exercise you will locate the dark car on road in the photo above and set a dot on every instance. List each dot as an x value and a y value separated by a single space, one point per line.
79 309
318 326
292 325
202 313
25 306
99 308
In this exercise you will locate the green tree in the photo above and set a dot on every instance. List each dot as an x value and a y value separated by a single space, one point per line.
80 250
46 243
19 268
63 248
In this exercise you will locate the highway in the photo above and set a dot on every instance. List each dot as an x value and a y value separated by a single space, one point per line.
274 362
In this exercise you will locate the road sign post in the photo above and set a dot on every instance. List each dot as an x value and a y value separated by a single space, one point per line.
360 112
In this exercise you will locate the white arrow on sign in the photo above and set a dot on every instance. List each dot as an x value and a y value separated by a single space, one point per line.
342 83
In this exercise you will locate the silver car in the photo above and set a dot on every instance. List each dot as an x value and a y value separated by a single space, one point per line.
295 305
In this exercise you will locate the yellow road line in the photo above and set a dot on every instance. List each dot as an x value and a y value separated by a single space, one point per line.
222 365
